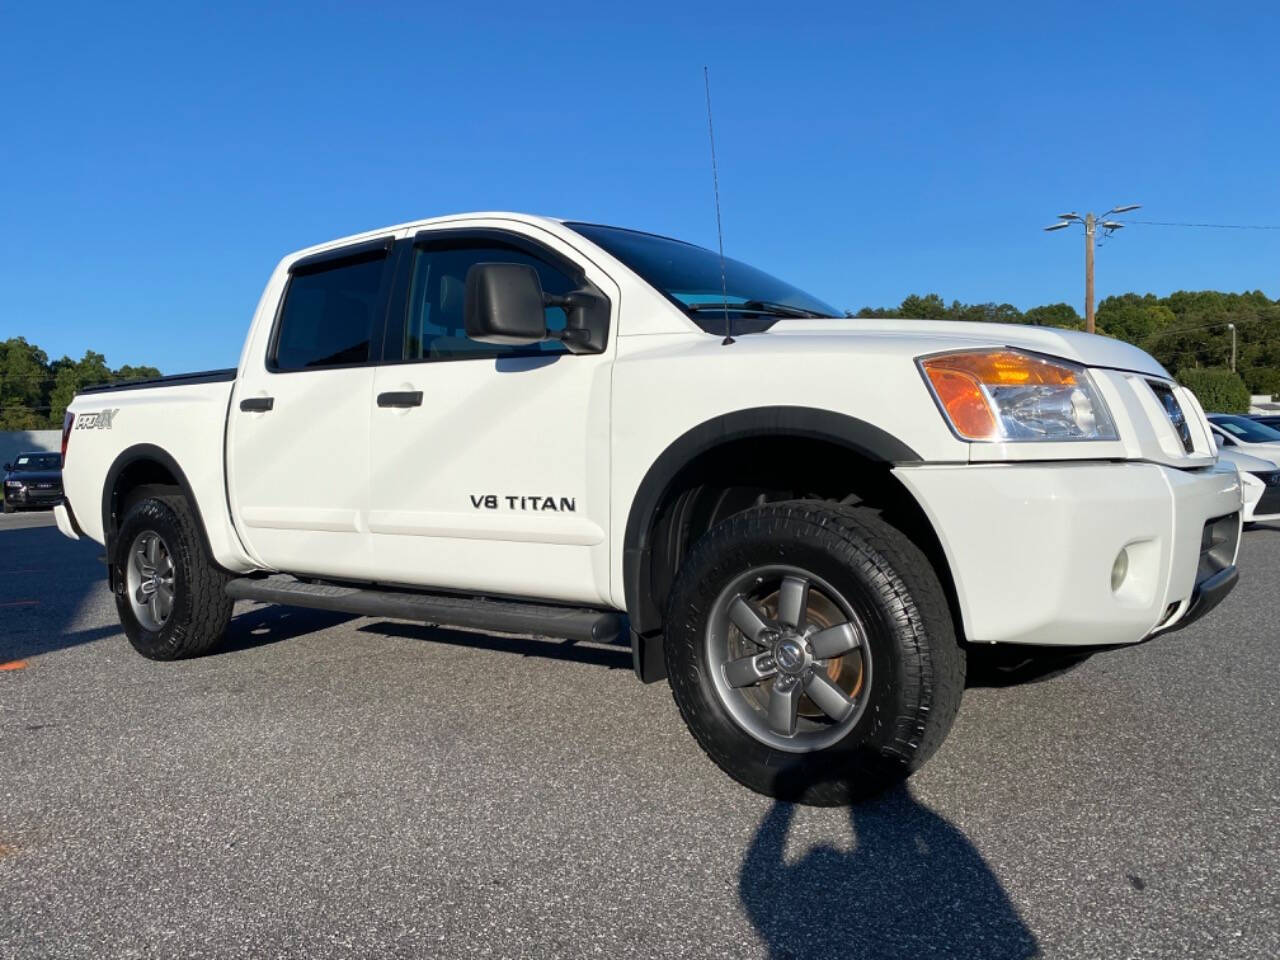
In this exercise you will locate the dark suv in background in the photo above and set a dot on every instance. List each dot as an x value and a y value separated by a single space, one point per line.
33 480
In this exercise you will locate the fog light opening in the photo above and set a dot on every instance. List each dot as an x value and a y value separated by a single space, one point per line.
1119 569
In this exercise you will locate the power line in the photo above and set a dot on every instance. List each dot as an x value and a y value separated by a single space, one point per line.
1212 226
1203 326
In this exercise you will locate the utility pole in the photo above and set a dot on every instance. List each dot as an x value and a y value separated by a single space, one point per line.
1091 223
1232 328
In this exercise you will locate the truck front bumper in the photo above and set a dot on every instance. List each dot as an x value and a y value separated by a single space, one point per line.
1082 553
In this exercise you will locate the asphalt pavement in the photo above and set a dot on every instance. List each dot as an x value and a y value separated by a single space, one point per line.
333 786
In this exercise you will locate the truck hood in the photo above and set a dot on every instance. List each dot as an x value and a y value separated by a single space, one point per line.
935 335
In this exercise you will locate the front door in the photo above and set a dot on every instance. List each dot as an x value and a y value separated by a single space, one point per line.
489 464
298 431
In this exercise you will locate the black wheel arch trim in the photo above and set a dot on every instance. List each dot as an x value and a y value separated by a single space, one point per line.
135 454
856 435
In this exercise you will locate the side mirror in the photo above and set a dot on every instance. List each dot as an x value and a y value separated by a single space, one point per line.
503 303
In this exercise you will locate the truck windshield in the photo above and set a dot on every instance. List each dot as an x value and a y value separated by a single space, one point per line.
690 276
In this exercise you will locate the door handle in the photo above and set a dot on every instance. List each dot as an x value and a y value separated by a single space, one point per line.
257 404
400 398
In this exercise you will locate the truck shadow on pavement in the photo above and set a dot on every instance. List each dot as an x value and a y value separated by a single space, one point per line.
46 583
54 596
912 887
268 623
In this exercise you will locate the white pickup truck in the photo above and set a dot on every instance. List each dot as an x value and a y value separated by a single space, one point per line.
519 424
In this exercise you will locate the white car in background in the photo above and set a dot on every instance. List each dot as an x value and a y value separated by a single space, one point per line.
1260 479
1245 435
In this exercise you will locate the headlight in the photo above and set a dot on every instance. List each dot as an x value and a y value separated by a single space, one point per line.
13 483
1010 395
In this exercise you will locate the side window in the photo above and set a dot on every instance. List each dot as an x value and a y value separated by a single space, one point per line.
328 314
434 328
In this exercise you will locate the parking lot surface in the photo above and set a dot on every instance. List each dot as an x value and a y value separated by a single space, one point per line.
333 786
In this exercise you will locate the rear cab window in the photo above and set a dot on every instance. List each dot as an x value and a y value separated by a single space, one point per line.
333 310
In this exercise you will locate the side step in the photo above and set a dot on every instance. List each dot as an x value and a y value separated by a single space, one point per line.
503 616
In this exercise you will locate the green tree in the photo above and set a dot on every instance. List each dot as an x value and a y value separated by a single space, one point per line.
928 307
24 385
1054 315
34 393
1188 329
128 372
1133 318
914 307
1263 380
72 377
984 312
1219 390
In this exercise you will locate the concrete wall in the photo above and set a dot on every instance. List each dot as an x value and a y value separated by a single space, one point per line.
14 442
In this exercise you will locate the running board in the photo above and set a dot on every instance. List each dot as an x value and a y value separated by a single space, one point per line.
503 616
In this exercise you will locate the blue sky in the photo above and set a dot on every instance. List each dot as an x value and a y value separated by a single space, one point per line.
156 161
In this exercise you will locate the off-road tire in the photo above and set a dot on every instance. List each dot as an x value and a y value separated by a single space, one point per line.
201 608
918 667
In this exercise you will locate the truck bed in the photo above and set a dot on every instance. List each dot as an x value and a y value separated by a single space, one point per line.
172 380
178 422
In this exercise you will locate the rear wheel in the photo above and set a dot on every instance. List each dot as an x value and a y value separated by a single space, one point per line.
811 651
169 594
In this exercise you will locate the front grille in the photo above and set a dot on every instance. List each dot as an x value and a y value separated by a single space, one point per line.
1271 479
1173 410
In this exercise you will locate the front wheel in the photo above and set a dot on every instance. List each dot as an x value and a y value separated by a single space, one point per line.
169 594
811 651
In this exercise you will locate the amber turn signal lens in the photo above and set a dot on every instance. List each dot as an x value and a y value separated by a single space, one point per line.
1004 368
961 396
958 380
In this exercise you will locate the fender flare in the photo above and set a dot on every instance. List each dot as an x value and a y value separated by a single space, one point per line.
129 456
865 439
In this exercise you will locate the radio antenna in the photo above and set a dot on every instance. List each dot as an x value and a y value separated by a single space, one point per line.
715 183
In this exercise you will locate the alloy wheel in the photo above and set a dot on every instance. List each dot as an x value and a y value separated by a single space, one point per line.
149 580
789 658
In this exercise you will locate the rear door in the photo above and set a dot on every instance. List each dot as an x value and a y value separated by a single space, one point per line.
298 431
490 463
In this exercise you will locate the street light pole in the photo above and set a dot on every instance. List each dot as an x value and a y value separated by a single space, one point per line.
1232 328
1091 223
